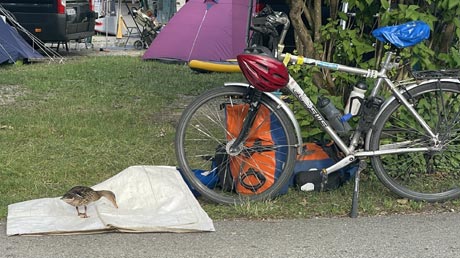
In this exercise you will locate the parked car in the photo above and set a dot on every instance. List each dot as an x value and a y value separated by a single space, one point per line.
54 20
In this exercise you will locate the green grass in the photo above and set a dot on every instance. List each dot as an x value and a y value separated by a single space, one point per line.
374 200
81 122
88 119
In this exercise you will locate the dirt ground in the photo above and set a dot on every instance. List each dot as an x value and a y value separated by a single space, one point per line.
101 45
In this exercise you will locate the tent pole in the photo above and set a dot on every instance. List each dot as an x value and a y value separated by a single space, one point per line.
106 22
251 3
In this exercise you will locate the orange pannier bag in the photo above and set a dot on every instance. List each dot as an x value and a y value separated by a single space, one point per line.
254 170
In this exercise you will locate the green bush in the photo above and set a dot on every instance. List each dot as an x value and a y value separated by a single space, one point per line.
355 46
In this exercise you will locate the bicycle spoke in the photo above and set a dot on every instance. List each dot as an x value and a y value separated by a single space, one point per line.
204 132
432 175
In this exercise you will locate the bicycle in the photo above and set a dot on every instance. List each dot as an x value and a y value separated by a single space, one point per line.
410 137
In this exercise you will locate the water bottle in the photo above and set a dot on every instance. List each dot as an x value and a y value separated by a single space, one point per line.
333 115
355 99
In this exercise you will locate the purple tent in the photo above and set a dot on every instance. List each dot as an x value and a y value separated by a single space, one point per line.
209 30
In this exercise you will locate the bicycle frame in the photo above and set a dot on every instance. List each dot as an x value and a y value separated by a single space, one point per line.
381 79
414 156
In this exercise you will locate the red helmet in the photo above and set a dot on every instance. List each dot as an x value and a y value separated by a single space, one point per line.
263 72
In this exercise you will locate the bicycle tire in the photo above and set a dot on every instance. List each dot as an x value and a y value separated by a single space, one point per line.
431 176
202 127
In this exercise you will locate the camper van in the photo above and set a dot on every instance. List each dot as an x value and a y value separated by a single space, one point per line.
54 20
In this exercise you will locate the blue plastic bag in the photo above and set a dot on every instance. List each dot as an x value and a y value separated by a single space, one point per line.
208 178
404 35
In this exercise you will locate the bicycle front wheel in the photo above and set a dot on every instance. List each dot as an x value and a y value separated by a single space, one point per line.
203 140
430 176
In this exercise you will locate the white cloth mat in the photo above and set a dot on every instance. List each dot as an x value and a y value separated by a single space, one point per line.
150 199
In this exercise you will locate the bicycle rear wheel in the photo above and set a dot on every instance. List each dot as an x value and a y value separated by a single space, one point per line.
203 140
430 176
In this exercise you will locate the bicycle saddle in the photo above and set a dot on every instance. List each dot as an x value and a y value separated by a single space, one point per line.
404 35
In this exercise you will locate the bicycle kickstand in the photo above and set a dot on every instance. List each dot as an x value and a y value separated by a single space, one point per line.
354 203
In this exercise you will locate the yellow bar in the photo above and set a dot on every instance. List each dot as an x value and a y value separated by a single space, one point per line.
300 60
286 59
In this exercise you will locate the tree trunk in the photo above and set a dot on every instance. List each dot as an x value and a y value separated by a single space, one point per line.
301 31
318 23
305 44
447 37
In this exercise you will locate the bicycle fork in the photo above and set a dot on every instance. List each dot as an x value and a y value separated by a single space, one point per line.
254 103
